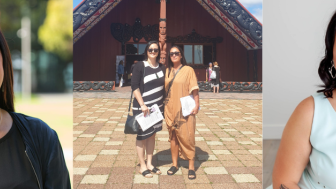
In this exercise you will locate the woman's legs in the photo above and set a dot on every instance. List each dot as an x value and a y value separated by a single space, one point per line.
174 147
218 89
140 145
150 145
214 89
192 167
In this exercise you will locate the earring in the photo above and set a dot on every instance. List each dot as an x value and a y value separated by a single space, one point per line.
330 69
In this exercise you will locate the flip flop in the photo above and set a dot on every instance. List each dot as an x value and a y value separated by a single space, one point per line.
191 173
147 172
173 169
155 170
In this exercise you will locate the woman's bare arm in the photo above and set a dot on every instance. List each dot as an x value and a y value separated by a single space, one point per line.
196 98
295 147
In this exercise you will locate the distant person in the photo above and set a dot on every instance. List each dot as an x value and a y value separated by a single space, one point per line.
120 71
132 67
31 155
208 72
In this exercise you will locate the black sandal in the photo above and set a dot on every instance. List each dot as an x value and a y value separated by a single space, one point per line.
147 172
155 170
173 169
191 172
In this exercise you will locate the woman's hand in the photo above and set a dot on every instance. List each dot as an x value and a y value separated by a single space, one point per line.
195 110
145 110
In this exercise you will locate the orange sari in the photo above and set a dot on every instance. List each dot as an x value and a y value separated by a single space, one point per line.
183 85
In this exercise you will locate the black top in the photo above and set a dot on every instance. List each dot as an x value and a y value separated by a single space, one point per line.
16 170
217 70
151 85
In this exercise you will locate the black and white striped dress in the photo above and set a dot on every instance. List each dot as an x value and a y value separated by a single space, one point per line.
153 86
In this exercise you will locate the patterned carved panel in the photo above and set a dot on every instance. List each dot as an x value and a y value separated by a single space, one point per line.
124 32
232 86
243 18
93 86
85 10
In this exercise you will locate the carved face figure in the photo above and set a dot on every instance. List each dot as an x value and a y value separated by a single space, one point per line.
162 28
162 59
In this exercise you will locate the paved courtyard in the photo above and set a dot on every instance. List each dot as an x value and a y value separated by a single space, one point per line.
228 145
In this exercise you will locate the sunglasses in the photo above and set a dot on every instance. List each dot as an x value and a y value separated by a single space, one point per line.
174 53
151 50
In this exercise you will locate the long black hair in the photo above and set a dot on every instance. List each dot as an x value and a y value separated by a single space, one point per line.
171 64
6 90
325 64
147 47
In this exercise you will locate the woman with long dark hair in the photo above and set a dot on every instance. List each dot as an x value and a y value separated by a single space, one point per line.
30 153
148 89
180 81
307 154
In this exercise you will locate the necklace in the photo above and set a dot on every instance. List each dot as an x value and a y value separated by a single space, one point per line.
150 65
177 68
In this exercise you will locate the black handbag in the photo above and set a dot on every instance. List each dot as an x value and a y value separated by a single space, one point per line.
131 125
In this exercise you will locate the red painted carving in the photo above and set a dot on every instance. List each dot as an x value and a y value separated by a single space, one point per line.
163 32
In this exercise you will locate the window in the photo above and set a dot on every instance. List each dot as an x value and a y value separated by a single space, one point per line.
197 54
135 49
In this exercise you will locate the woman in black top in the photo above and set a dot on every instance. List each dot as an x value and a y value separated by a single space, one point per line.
31 156
148 90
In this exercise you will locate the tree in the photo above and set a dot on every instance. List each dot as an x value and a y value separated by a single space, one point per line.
56 32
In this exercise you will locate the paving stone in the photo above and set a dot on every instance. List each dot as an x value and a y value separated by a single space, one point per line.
87 135
101 139
203 129
94 179
104 132
85 158
241 178
214 143
255 151
207 157
221 152
256 139
109 152
77 132
79 171
115 143
227 139
139 179
215 170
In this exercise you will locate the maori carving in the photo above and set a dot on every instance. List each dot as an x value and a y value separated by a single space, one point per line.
85 11
248 23
137 30
93 86
232 86
163 29
124 33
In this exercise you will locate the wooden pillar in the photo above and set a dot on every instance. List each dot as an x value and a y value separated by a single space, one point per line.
163 33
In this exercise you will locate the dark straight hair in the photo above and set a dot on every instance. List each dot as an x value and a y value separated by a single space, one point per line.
6 90
147 47
170 63
325 64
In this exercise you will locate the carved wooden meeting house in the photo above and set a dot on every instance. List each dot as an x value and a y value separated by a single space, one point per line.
110 32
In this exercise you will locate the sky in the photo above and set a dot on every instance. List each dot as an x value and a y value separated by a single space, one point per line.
253 6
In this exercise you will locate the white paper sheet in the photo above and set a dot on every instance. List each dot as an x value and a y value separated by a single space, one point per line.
188 104
151 119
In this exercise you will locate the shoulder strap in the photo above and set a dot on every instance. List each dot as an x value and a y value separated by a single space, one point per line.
143 76
171 82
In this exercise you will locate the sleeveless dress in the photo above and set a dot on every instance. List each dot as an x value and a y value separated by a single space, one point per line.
321 169
153 94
